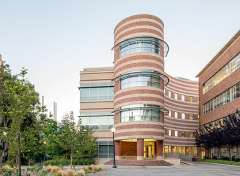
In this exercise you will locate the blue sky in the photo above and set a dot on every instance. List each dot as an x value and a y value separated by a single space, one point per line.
55 39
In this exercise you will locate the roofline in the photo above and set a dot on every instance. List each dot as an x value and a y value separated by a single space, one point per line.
137 15
220 52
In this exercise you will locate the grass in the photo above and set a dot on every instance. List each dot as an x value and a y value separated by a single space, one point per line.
222 162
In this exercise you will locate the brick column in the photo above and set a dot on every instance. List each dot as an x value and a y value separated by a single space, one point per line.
159 150
117 150
140 149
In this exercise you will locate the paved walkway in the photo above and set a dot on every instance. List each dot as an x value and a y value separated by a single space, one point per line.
181 170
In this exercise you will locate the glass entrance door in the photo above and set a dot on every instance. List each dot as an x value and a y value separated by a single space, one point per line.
149 150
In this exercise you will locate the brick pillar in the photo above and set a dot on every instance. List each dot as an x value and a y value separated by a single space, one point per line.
140 149
159 150
117 150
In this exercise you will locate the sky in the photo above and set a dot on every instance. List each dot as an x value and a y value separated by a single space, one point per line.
55 39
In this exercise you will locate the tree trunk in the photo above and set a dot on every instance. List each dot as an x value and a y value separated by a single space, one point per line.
19 154
71 158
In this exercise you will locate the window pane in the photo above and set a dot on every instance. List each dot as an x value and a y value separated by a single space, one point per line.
140 112
89 94
140 44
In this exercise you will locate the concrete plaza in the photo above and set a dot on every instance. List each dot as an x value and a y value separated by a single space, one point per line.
196 169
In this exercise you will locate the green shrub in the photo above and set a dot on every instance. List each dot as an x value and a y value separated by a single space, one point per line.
65 162
7 170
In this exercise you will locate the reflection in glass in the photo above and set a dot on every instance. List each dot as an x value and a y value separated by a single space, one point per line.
88 94
224 72
140 44
140 112
149 79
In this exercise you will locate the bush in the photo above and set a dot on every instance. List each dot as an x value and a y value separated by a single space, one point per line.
215 157
236 158
92 169
65 162
206 157
81 172
225 158
7 170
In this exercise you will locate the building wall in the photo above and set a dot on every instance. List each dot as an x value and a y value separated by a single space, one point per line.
130 28
92 78
181 121
230 51
97 114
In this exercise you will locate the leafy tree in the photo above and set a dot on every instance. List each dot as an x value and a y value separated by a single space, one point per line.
18 104
224 132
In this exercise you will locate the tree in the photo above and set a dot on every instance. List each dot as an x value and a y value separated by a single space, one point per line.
68 136
225 132
18 104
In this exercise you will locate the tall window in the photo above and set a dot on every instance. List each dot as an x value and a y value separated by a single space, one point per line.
89 94
139 79
232 66
140 112
140 44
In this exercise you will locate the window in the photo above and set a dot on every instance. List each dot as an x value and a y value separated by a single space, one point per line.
169 94
229 95
190 98
176 134
140 112
169 132
169 114
105 149
224 72
97 120
176 115
138 79
176 96
90 94
140 44
183 115
183 98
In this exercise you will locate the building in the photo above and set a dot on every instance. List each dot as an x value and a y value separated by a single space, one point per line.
96 104
219 85
153 113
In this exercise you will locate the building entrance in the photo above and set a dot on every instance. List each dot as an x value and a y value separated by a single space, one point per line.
149 150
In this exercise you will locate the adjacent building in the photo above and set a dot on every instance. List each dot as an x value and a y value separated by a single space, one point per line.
219 85
153 113
96 106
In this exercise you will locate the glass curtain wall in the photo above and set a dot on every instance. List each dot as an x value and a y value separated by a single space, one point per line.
91 94
104 149
140 44
97 121
139 79
225 97
140 112
232 66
